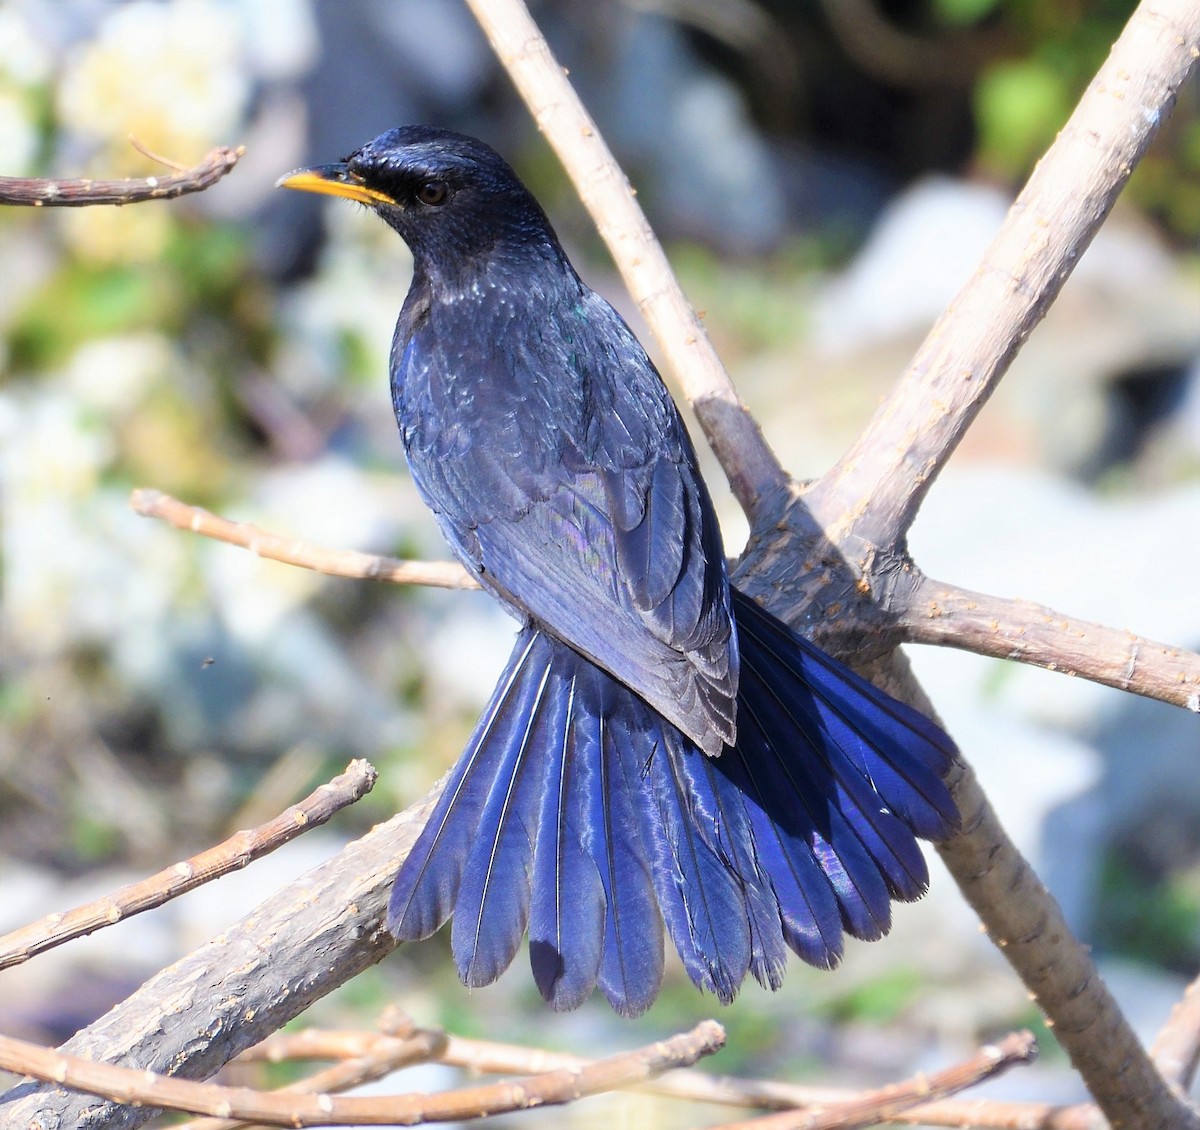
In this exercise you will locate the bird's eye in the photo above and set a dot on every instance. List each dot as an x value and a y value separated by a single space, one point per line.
433 193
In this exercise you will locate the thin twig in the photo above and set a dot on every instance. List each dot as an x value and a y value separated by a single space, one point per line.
335 562
37 192
233 854
754 472
565 1085
149 153
378 1059
870 1109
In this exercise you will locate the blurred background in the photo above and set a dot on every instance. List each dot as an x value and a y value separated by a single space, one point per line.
825 175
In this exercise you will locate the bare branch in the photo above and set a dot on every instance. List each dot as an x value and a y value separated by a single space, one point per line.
35 192
489 1057
296 1109
876 488
380 1058
943 614
880 1106
240 850
753 470
335 562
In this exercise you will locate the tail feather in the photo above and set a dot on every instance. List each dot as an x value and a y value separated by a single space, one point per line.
492 908
427 886
723 804
702 897
809 917
631 962
578 810
801 799
567 919
902 755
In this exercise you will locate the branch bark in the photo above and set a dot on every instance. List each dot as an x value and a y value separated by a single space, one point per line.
36 192
944 614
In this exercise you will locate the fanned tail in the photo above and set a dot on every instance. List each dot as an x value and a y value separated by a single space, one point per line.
580 813
840 779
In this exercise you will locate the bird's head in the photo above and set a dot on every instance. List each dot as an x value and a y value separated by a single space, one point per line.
455 201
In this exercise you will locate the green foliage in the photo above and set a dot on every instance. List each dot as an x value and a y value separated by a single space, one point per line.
1150 918
1019 106
1036 60
879 1000
80 302
963 12
93 840
761 304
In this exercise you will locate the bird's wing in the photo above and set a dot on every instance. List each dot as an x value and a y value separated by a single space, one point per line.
563 477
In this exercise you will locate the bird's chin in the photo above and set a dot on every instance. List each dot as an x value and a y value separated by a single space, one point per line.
335 180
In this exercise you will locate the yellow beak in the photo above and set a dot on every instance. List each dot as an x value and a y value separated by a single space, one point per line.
333 180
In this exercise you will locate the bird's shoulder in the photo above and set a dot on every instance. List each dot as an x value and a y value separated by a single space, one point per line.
533 378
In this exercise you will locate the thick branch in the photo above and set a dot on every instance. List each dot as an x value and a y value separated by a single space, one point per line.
1025 922
35 192
753 471
854 520
875 490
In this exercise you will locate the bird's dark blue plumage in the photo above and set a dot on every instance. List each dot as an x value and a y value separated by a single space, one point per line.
660 750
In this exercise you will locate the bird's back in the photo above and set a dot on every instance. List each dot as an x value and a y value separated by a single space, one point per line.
541 435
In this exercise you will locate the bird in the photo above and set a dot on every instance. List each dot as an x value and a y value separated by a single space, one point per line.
661 756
